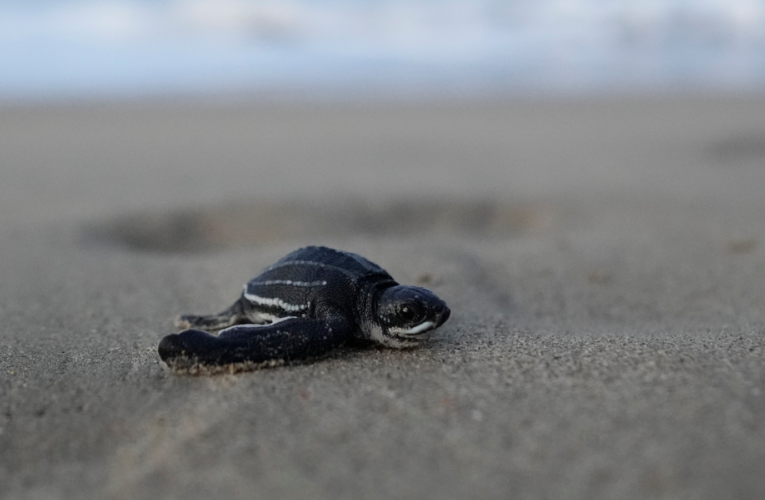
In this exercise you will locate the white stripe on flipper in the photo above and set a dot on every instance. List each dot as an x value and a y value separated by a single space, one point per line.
289 282
272 318
264 301
279 320
275 321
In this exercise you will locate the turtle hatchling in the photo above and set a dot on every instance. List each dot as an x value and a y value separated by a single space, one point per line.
308 303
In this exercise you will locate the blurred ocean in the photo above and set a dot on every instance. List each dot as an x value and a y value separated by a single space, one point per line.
87 48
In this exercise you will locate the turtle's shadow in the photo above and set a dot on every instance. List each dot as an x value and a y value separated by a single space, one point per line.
247 223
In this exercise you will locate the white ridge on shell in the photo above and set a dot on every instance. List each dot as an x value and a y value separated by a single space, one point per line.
289 282
264 301
275 321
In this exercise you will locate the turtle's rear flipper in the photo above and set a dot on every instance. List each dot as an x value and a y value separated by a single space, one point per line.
234 315
248 347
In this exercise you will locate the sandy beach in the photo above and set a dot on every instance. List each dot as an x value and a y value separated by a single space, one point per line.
604 261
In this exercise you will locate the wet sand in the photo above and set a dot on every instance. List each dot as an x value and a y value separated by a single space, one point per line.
604 261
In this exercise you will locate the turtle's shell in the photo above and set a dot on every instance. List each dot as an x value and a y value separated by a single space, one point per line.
353 265
294 284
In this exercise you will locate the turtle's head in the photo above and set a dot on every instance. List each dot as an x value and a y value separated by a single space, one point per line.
407 314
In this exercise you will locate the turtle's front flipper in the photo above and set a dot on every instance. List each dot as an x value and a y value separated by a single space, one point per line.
247 347
233 315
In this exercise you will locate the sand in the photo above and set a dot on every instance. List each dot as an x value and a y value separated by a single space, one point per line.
604 261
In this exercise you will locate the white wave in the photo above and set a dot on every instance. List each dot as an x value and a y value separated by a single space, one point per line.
576 40
395 22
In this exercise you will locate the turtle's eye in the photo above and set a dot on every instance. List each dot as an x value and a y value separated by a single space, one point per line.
409 312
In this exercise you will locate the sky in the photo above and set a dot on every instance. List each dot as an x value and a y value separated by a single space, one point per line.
125 48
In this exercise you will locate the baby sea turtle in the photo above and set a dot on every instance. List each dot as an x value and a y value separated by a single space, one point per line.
308 303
